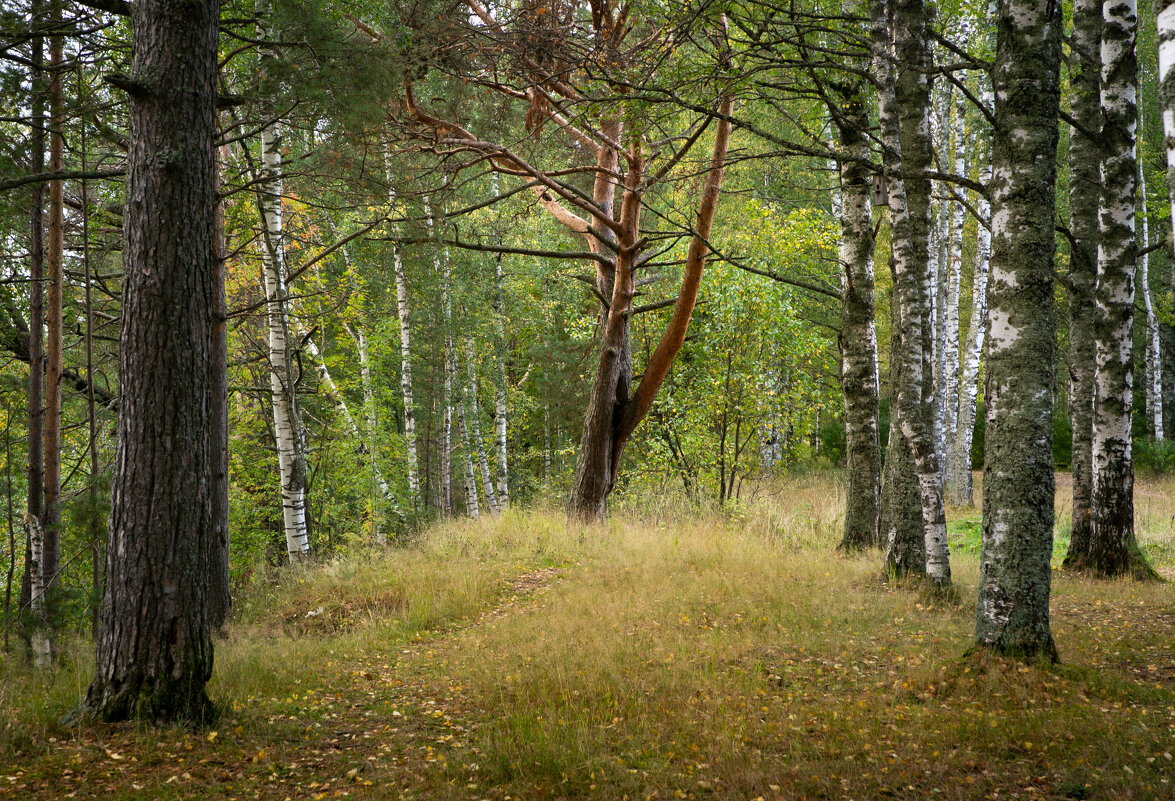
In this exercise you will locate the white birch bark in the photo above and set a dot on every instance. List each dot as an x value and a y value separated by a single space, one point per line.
286 425
471 506
954 274
440 263
969 379
41 644
500 388
405 317
1154 353
487 481
1165 20
938 277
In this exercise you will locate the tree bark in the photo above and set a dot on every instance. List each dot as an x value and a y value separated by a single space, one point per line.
500 410
907 94
219 583
154 653
1084 188
1112 548
1013 611
1153 359
858 335
973 350
1165 21
475 431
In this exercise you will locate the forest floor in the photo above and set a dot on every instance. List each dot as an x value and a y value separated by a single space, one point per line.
664 656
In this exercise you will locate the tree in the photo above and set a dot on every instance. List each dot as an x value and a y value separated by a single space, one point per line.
154 651
1112 547
1018 482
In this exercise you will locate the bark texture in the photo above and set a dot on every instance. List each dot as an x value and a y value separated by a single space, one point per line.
1112 548
1014 582
154 652
858 336
1084 190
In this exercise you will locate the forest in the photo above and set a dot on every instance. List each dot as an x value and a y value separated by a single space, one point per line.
587 398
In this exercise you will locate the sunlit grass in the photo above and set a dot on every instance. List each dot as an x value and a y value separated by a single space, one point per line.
672 652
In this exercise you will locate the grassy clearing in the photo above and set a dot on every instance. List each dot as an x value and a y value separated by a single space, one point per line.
669 655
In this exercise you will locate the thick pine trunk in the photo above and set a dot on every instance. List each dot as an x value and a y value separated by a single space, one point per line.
1084 189
1112 548
154 651
858 336
1013 610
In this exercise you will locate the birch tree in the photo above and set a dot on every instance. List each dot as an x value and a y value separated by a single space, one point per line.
1015 576
858 335
1113 549
1084 198
1165 20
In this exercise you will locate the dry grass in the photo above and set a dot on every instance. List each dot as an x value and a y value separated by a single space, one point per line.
674 654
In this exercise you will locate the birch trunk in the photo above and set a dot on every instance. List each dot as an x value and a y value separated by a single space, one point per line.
286 424
969 381
1165 21
954 275
1013 611
487 481
500 389
440 263
858 337
1084 190
40 639
471 505
908 95
1113 549
404 314
1153 360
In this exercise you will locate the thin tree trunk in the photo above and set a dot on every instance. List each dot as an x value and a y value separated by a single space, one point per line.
1084 188
969 382
1014 581
54 343
41 643
475 426
154 653
36 470
1113 549
500 388
1154 350
954 275
1165 21
286 422
858 336
219 581
471 505
443 268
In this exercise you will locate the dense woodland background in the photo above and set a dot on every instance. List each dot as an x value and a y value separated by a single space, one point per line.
415 331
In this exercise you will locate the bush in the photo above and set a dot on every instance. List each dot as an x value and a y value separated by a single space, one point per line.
1154 457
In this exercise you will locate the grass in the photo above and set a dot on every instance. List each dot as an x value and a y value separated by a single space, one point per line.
667 654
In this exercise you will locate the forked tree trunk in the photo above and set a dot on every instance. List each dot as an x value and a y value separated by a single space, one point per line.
1084 189
1113 549
858 337
909 216
154 653
1014 580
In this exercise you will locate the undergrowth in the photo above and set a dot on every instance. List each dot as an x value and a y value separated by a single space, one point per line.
726 653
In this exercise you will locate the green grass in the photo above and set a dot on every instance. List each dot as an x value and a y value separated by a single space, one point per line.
669 653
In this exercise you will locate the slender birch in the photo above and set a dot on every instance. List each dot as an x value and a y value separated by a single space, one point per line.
443 269
1113 549
969 380
1084 198
475 431
286 423
1165 20
500 385
954 276
1153 361
1018 483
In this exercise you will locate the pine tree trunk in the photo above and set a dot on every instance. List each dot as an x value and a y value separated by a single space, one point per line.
154 653
1084 188
219 584
1113 549
36 444
54 342
1014 582
906 146
858 336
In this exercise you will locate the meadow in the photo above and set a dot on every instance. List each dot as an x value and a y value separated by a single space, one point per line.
671 653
